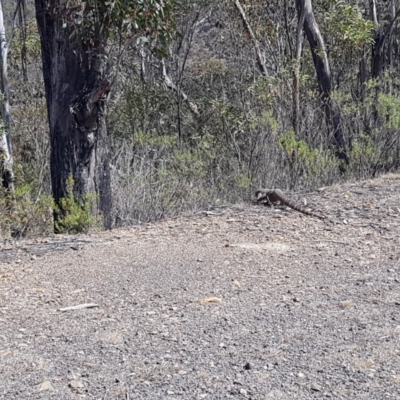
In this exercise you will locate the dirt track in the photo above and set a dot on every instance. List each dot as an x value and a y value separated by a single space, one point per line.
302 309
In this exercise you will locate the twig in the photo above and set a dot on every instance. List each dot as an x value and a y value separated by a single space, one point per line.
79 307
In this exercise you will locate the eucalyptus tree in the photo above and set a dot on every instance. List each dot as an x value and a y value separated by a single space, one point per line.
383 37
322 68
6 159
82 42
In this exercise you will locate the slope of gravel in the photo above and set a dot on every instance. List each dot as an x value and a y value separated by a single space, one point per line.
236 303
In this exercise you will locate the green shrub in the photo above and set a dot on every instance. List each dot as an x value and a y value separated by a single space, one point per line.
73 216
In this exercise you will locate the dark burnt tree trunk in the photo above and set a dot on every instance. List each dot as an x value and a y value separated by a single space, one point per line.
380 59
76 95
321 63
378 46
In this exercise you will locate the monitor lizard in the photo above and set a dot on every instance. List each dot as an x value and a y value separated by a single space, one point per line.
274 196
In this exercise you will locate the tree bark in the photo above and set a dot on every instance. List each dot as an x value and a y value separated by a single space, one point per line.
260 58
377 48
380 37
391 33
76 95
6 159
296 78
321 63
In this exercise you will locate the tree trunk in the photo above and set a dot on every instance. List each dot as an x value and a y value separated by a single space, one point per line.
296 78
6 159
377 48
321 63
391 33
380 36
76 95
260 58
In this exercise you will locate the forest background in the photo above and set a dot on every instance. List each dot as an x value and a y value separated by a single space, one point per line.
246 94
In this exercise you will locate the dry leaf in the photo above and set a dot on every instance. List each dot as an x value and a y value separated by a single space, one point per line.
209 300
46 385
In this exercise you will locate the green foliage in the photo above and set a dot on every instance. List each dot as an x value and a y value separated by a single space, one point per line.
26 44
298 152
377 148
347 24
363 150
243 181
94 19
264 89
389 109
190 163
142 138
73 216
25 213
292 146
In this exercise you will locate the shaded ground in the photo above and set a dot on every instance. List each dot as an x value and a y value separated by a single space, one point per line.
304 309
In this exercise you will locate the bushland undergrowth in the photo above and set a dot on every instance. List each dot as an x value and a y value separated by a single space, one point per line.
167 159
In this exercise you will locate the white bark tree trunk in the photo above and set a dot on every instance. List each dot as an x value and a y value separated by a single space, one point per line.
296 78
6 159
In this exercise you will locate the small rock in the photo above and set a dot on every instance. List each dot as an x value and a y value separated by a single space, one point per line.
210 300
76 384
316 388
46 385
182 372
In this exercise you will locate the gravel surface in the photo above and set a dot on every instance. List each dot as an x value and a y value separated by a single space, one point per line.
245 302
